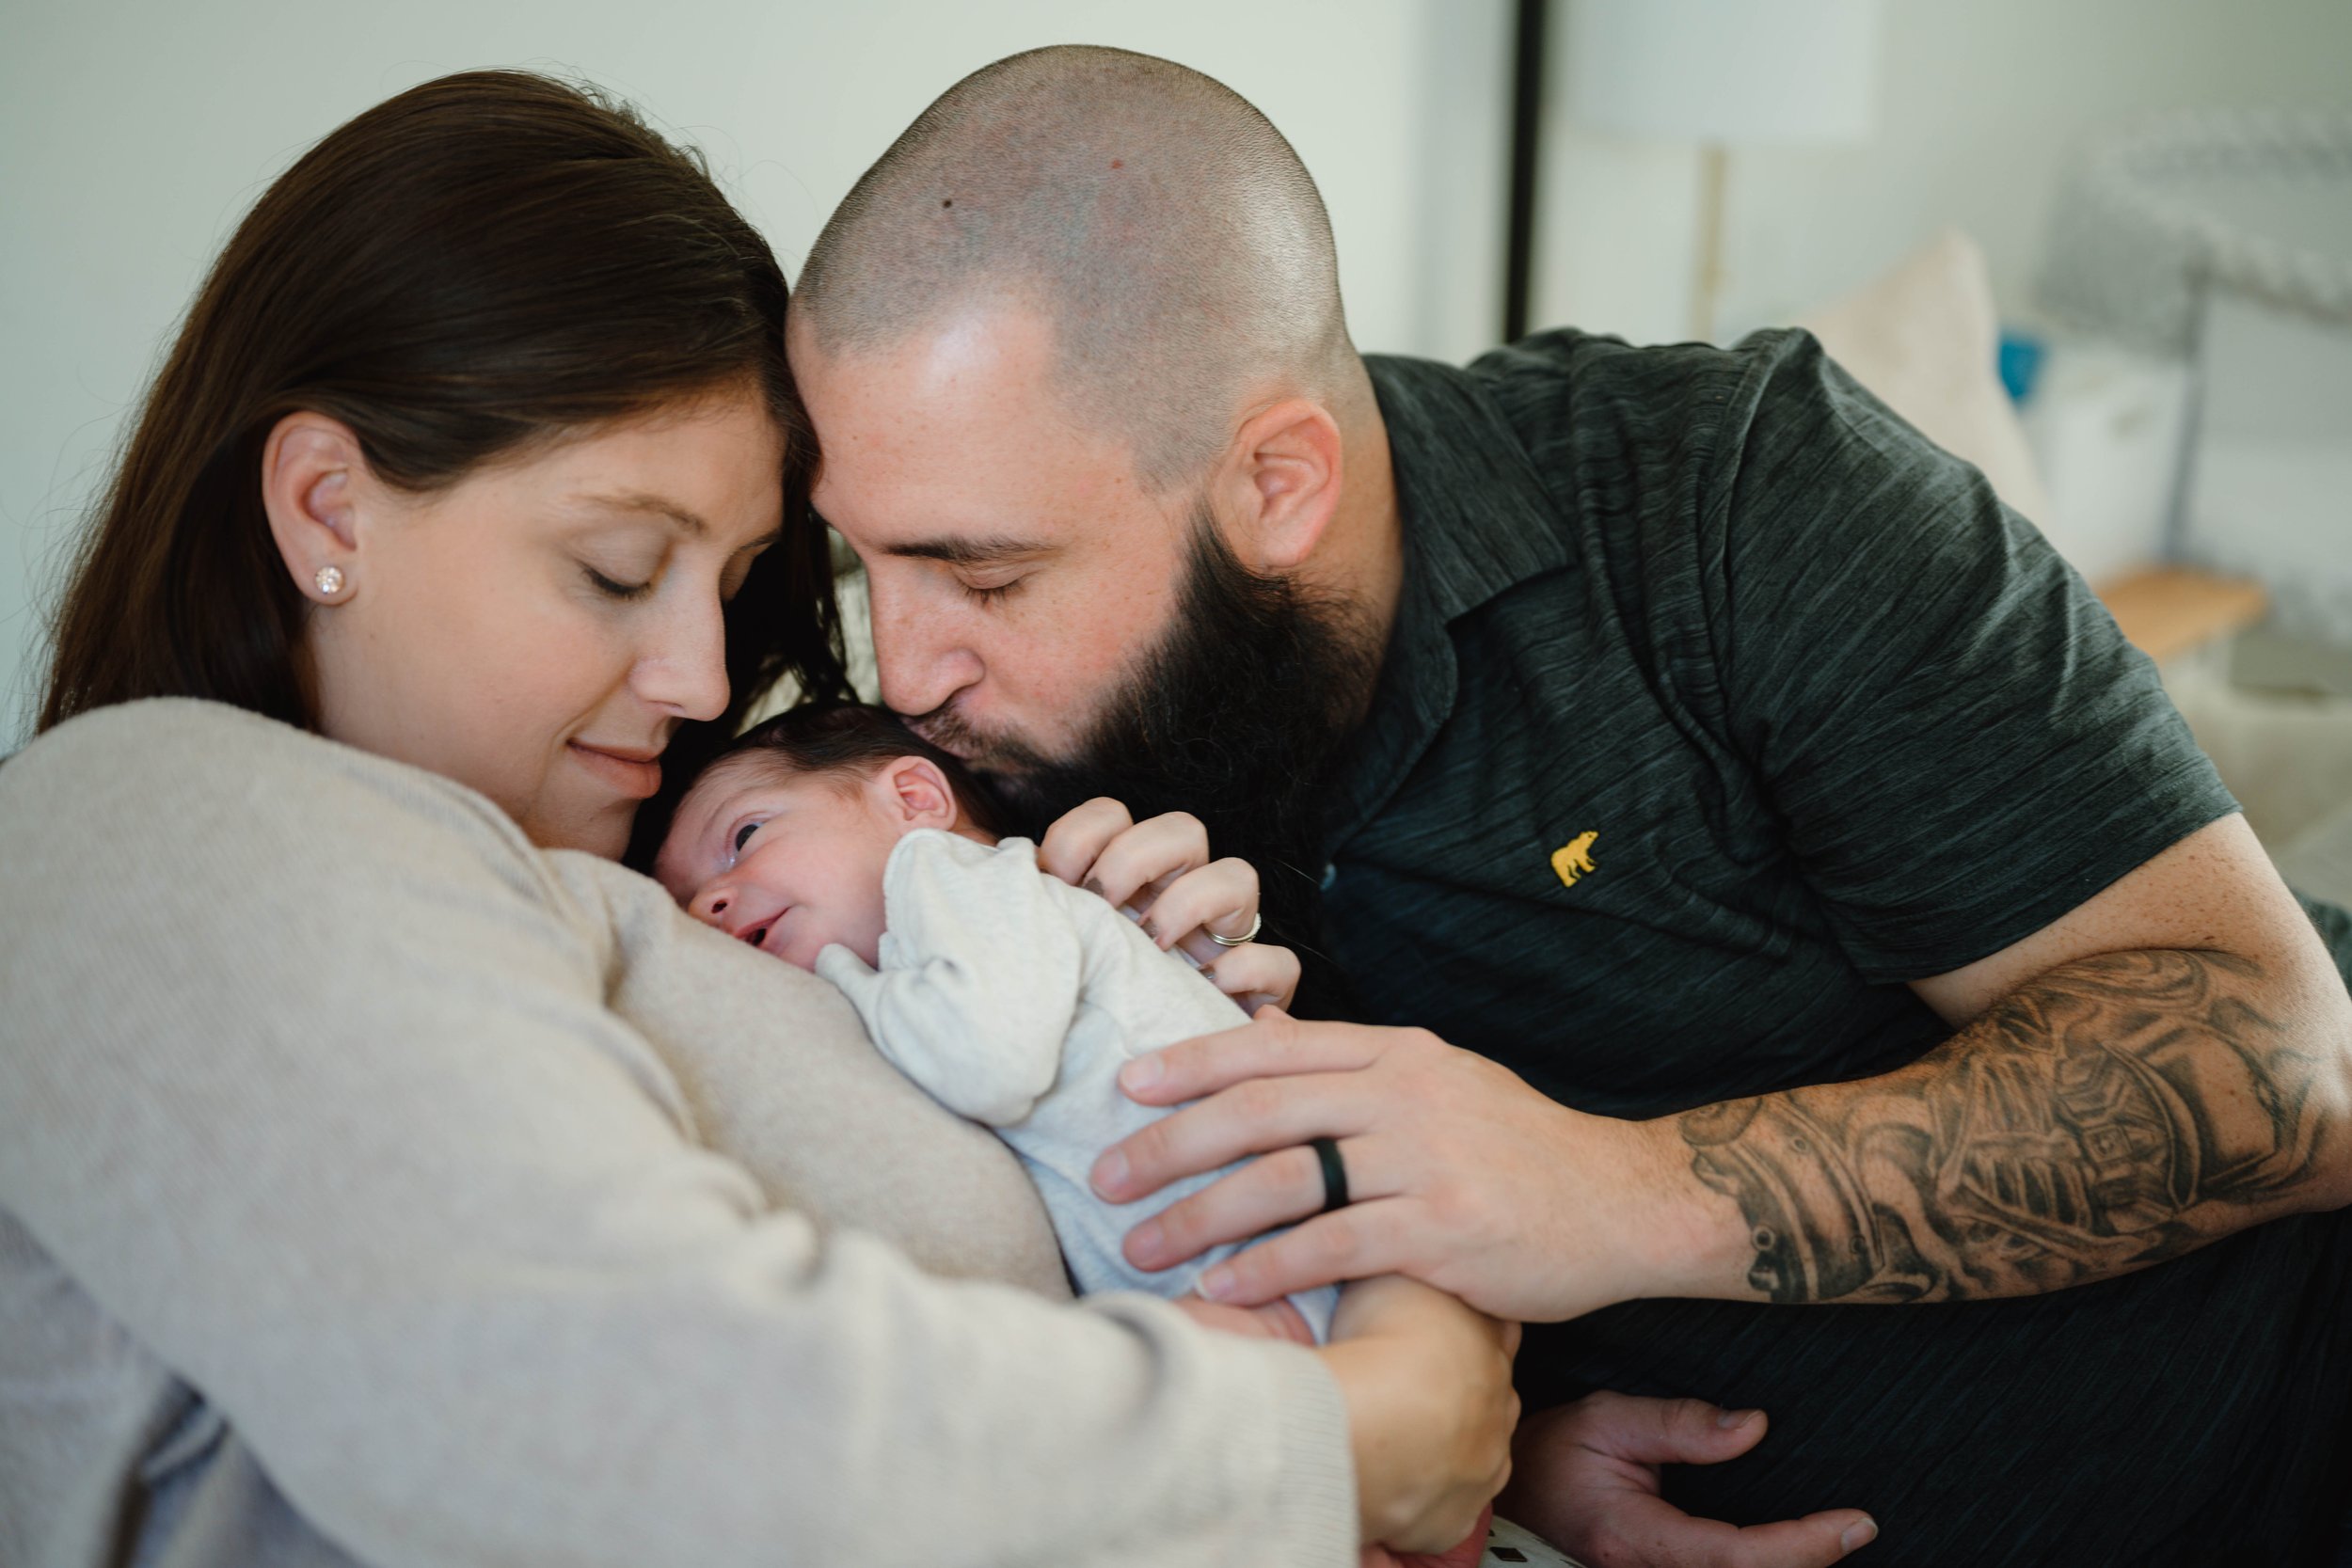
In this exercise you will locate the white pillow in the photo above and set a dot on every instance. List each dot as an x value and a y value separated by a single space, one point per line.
1925 340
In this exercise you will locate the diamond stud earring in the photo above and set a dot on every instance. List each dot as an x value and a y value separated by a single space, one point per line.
329 580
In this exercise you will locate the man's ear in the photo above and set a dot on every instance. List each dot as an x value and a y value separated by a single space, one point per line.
312 473
914 793
1281 484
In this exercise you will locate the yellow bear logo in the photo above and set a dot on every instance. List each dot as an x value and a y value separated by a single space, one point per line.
1574 859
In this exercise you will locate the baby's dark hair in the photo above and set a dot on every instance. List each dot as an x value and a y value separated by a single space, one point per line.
849 741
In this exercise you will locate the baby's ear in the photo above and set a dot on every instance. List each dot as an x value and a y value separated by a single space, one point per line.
917 794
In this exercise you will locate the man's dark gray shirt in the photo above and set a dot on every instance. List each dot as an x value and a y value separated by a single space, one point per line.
1719 705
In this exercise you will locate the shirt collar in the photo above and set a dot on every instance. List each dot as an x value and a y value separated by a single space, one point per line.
1477 520
1477 515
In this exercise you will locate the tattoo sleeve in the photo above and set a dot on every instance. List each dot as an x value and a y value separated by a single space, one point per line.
2116 1112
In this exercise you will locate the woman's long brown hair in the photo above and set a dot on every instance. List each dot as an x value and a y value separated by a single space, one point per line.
488 260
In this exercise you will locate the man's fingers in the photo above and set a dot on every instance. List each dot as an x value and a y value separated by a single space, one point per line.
1588 1480
1666 1432
1254 1117
1073 844
1642 1530
1280 1188
1354 1242
1273 1043
1812 1542
1651 1532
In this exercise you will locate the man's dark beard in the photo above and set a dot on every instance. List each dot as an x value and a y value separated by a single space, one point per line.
1237 717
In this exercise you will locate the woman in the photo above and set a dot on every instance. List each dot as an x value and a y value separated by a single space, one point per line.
384 1170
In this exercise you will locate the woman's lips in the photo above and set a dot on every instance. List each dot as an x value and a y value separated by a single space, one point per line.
635 775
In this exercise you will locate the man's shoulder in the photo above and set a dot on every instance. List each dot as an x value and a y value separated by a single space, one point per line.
1592 413
1607 384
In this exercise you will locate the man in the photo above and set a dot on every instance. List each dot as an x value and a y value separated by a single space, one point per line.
1808 895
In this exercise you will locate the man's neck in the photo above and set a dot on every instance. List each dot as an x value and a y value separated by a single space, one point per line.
1361 560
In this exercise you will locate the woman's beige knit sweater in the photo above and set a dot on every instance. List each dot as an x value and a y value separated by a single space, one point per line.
375 1186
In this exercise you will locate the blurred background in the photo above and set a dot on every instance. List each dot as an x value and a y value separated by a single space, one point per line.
2101 247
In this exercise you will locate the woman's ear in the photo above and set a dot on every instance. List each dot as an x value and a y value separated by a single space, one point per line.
915 794
312 472
1281 483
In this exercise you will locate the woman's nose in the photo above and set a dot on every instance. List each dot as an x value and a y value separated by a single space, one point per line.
686 669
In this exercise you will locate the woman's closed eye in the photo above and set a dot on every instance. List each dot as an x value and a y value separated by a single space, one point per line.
612 589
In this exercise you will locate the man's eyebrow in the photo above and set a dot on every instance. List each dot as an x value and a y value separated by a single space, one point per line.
985 552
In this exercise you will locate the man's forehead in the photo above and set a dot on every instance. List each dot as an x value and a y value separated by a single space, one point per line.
975 385
957 445
997 496
979 347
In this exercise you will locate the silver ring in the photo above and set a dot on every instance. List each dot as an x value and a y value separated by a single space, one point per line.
1256 921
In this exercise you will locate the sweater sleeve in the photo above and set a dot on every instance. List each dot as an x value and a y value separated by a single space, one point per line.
308 1079
979 976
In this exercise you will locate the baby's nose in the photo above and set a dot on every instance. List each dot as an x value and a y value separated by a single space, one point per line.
710 906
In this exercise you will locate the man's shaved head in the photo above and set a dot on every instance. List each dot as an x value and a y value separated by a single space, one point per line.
1161 225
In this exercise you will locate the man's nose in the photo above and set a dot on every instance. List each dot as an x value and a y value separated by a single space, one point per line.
920 663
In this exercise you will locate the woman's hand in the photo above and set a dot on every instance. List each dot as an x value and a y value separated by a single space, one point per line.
1279 1320
1588 1481
1463 1554
1430 1410
1276 1320
1160 869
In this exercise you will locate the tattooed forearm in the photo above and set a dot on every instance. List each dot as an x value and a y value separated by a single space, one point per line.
2116 1112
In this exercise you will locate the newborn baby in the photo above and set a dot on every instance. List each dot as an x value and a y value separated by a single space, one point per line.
839 841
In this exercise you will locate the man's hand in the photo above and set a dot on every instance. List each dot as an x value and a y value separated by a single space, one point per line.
2112 1110
1459 1174
1585 1476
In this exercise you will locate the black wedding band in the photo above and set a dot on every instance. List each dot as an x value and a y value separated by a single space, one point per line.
1334 1173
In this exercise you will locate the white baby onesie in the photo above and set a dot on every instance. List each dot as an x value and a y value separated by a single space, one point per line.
1014 998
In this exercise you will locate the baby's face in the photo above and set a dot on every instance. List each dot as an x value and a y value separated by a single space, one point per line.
788 863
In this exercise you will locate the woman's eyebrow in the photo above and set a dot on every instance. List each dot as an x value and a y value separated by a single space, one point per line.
637 500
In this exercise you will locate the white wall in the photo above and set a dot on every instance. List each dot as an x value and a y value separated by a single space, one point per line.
132 137
1979 103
